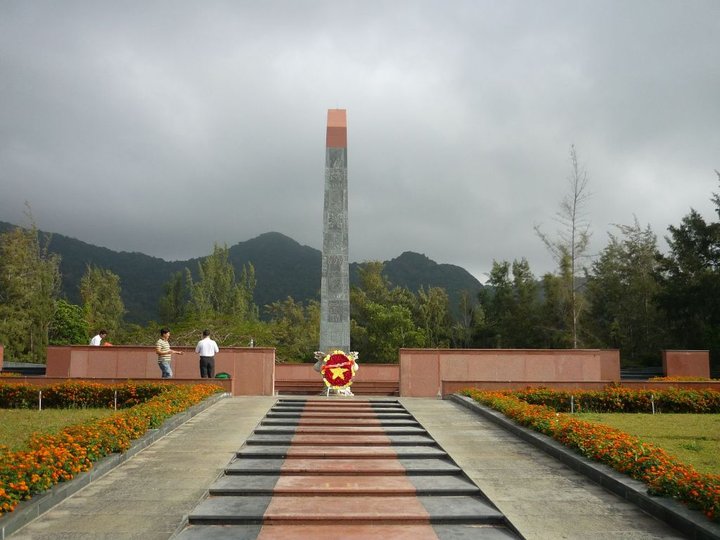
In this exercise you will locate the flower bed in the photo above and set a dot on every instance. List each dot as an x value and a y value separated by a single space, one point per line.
625 453
681 378
77 395
53 458
619 399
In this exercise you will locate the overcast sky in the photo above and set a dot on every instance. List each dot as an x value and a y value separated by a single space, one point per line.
165 127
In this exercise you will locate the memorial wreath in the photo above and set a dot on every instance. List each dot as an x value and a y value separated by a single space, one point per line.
338 369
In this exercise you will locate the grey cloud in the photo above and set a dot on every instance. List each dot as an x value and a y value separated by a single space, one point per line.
165 127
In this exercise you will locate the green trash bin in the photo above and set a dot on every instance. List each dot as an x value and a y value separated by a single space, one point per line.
222 375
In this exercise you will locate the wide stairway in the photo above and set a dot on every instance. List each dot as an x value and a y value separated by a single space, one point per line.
343 468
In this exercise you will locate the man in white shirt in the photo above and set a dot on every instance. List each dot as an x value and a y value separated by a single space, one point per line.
96 341
207 348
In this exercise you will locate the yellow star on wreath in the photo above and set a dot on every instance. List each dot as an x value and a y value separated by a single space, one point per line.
338 372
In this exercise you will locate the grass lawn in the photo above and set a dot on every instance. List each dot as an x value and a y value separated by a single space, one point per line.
693 438
16 425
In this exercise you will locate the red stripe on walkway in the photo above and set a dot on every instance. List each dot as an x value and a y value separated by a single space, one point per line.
334 421
333 452
342 466
327 439
343 484
346 509
342 479
356 532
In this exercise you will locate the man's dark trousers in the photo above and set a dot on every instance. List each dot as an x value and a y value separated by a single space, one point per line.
207 367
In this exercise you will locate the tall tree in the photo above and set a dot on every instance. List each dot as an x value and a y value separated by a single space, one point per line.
217 292
102 301
690 278
556 313
434 310
29 286
496 301
173 303
390 328
525 316
622 291
470 320
373 285
510 304
382 317
248 282
570 245
68 326
295 329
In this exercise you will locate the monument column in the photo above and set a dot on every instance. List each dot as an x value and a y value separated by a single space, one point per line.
335 280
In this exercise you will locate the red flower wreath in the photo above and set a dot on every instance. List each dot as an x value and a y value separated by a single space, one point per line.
338 370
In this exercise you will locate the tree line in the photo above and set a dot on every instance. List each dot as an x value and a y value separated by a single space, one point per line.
630 296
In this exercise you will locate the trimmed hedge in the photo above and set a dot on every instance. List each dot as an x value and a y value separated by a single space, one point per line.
77 395
619 399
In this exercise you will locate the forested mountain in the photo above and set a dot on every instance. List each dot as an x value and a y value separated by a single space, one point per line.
414 270
283 268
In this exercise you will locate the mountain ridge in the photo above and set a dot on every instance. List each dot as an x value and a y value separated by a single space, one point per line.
283 268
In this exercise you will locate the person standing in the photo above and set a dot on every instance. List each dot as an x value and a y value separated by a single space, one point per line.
207 348
97 339
164 353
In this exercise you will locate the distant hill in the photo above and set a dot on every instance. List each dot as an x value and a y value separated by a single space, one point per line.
283 268
141 276
414 270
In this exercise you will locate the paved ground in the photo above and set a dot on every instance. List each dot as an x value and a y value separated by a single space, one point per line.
149 496
364 467
542 498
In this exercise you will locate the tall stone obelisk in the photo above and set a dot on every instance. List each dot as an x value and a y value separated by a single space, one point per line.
335 281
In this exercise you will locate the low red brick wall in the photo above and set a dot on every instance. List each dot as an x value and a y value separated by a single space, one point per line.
420 372
424 371
251 368
370 379
686 363
365 372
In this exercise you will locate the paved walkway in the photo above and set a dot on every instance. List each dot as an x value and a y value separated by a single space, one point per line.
149 496
540 496
364 467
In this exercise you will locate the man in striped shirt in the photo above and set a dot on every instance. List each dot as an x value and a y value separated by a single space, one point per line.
164 353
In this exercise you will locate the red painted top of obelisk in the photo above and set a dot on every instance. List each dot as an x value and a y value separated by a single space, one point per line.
336 129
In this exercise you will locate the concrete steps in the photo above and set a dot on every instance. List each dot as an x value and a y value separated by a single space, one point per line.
351 483
343 468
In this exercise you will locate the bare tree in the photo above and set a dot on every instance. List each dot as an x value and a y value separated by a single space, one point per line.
569 247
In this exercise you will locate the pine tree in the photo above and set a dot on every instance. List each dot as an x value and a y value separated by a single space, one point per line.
102 300
622 291
216 293
690 279
29 286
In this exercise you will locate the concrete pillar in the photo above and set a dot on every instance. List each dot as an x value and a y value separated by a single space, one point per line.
335 281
